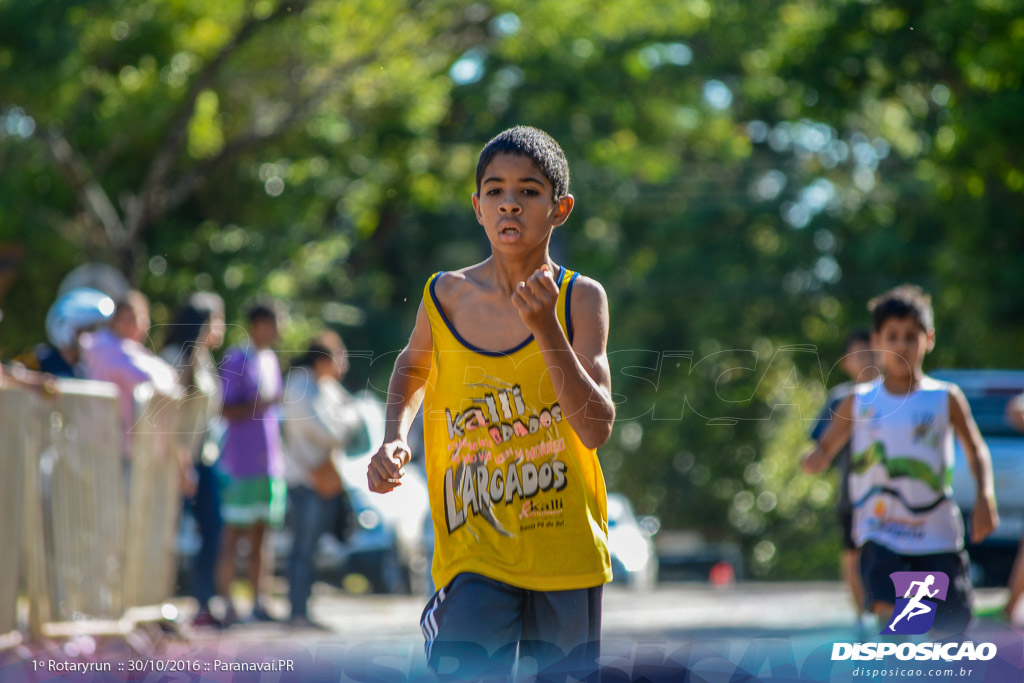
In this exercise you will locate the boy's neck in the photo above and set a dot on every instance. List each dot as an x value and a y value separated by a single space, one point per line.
903 384
508 273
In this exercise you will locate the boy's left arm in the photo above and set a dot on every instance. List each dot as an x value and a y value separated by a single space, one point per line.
579 371
985 517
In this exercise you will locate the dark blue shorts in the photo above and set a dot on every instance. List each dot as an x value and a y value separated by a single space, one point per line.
952 614
476 628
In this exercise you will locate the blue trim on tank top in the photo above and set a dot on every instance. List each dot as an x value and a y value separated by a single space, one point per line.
568 306
471 347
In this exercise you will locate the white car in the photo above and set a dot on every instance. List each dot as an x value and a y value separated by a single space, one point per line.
634 560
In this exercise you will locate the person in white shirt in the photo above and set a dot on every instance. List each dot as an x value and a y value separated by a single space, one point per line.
320 417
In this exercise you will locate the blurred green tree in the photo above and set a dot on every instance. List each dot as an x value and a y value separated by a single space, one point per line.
199 146
748 175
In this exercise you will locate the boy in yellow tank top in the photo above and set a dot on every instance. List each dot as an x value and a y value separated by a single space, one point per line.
508 358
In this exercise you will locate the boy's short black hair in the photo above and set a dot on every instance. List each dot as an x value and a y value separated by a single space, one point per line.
905 301
858 335
534 144
261 311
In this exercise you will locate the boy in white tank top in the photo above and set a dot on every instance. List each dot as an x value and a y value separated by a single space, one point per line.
901 433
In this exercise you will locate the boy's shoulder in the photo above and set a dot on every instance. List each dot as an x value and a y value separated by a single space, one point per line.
452 286
448 280
932 384
586 283
588 294
839 392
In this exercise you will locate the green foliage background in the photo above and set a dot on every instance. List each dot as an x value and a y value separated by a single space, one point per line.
747 175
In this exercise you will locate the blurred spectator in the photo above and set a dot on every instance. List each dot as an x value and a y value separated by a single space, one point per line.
858 363
18 376
319 418
196 329
79 310
252 461
116 354
1015 416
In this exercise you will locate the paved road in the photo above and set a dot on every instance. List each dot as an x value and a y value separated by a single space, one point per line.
776 631
806 614
786 630
670 611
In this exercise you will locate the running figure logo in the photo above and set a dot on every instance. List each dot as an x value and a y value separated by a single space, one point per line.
915 611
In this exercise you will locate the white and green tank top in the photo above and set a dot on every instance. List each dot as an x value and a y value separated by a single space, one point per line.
902 469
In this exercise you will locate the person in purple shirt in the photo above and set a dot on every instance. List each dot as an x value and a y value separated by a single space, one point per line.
251 458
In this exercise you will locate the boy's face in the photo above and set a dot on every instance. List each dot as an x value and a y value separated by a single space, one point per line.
515 203
859 362
901 345
131 322
264 333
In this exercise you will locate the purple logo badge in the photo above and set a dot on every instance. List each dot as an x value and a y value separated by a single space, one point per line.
915 610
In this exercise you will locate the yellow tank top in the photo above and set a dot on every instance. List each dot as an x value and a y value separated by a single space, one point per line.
514 493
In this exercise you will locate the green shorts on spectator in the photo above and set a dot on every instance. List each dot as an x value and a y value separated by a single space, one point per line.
248 500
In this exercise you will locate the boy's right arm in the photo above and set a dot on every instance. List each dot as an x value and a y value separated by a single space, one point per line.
405 396
832 441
